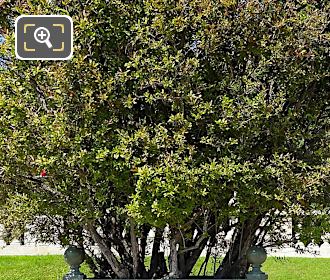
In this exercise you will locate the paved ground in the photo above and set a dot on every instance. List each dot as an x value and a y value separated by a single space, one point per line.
32 248
44 249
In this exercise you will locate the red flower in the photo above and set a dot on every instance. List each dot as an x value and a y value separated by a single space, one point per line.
43 173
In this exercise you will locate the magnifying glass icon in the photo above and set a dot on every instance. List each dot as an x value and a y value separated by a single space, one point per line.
42 35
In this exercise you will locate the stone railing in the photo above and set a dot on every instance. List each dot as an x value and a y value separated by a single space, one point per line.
256 256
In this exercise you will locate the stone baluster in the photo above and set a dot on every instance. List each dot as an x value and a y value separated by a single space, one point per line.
74 256
256 256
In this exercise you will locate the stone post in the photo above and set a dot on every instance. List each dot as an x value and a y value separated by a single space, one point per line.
256 256
74 257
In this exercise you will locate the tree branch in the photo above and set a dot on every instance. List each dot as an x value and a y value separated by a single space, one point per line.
116 266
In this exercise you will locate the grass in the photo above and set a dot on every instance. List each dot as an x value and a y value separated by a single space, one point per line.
287 268
34 268
298 269
54 267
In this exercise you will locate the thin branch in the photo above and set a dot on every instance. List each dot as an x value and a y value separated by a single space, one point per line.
196 246
42 185
40 94
183 239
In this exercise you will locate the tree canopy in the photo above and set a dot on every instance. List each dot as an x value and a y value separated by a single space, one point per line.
200 117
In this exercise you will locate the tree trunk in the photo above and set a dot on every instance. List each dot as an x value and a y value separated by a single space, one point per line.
135 249
139 270
157 264
189 255
21 239
187 260
235 265
116 266
173 258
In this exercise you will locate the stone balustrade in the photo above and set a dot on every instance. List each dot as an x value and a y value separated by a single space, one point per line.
256 256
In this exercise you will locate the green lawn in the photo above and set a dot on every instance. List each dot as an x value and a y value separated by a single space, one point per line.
288 268
33 268
54 267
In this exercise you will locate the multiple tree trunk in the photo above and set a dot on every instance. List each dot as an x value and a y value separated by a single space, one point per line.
127 260
234 264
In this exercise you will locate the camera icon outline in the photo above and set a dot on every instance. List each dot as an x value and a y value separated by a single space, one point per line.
26 49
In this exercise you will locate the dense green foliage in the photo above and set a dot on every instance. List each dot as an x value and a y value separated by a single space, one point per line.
204 116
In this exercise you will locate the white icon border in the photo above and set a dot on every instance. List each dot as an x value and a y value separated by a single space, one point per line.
40 58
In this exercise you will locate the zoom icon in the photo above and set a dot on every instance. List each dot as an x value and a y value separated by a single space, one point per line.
43 37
